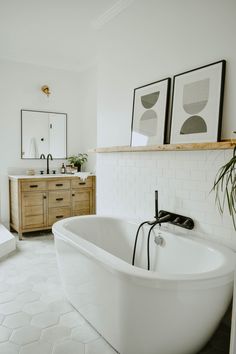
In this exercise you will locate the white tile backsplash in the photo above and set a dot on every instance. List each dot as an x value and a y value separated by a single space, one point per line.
126 183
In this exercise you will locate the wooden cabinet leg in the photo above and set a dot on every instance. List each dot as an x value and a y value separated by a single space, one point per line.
20 236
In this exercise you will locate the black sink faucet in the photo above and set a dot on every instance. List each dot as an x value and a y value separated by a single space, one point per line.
49 156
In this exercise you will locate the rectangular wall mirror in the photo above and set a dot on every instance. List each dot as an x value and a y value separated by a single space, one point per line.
43 133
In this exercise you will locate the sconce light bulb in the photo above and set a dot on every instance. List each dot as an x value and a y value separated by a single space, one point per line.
45 89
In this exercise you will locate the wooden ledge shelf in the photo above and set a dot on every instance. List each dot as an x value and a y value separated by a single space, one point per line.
222 145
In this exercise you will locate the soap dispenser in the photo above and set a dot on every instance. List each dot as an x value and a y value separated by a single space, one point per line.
63 169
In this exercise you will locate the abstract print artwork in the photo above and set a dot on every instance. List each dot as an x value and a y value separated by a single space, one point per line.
150 106
197 104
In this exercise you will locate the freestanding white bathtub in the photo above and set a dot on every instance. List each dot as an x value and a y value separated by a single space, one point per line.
172 309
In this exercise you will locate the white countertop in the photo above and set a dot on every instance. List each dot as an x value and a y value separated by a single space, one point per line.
58 175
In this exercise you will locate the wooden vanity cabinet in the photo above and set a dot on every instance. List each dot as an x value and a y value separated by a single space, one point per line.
37 203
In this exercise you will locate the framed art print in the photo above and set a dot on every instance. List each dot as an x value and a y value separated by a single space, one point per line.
197 104
150 108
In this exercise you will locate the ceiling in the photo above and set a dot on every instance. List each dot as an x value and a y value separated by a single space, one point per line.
54 33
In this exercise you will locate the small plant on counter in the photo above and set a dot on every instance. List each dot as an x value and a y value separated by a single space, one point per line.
78 160
225 187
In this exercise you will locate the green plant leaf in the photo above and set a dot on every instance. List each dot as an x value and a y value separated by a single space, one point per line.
225 188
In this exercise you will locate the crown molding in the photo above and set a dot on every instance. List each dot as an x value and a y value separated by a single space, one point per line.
112 12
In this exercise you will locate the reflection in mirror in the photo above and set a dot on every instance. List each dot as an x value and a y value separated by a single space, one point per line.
43 133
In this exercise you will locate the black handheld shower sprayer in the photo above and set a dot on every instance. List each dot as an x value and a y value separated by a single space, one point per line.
151 223
156 204
161 217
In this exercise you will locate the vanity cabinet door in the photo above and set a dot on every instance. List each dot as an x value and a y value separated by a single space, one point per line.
82 202
34 206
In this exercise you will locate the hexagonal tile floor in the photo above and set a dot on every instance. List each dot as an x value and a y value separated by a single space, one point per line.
35 317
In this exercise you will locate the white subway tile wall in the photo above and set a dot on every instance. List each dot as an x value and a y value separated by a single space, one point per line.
126 183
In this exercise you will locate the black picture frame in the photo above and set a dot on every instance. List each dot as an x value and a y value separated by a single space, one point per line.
150 113
197 91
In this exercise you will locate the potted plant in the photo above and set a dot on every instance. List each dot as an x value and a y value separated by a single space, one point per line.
225 187
78 160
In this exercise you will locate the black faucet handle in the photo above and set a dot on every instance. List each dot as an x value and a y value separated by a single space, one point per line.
162 213
188 223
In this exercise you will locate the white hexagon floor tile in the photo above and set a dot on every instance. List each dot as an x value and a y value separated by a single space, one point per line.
99 346
69 346
9 348
21 287
72 319
51 297
56 333
35 307
7 296
4 287
35 316
4 333
19 319
45 319
61 306
28 296
84 333
10 307
25 335
37 348
1 318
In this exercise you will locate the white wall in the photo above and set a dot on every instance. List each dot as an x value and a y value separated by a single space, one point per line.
88 115
152 40
20 88
126 183
155 39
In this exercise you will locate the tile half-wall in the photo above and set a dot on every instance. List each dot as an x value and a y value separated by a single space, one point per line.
126 183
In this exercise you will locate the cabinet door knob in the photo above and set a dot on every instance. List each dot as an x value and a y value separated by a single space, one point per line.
44 197
73 194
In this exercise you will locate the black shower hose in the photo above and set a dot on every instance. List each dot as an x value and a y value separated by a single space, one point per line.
148 243
136 239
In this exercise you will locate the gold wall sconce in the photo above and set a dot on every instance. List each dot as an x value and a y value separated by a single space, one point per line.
45 89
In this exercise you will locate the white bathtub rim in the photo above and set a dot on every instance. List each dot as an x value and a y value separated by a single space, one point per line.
148 280
209 279
89 247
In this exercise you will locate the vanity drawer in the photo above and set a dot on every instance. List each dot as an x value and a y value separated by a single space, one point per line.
58 198
79 183
60 184
56 214
33 185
